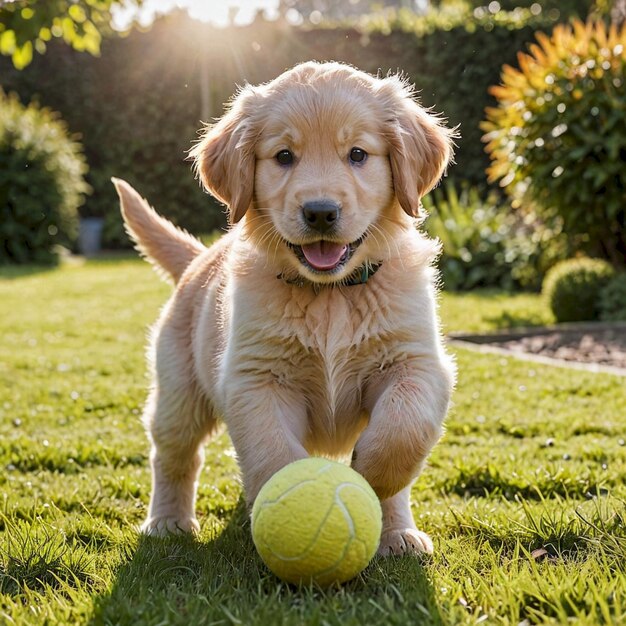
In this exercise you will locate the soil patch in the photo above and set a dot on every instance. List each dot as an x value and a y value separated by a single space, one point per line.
597 346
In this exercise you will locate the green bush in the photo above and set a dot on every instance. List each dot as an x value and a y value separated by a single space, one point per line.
613 299
572 288
473 235
181 72
557 139
533 248
485 244
41 183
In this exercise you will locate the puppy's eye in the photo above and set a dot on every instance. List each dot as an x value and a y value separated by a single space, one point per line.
357 155
285 157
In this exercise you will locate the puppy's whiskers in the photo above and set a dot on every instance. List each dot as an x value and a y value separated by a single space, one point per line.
388 241
267 234
270 240
251 228
396 222
395 241
372 230
275 242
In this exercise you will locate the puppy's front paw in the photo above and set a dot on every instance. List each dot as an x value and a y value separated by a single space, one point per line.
399 541
164 526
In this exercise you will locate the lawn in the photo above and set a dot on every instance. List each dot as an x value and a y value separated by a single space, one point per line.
525 496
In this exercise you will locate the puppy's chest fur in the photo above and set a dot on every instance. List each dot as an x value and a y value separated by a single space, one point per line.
330 346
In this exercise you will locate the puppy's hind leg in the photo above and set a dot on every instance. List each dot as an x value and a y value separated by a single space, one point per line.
178 423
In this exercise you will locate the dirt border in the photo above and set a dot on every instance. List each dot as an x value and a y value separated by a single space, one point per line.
483 343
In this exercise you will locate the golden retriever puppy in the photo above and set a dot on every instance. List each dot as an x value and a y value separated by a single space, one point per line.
310 328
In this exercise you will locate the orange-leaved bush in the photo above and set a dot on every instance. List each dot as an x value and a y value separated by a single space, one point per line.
557 138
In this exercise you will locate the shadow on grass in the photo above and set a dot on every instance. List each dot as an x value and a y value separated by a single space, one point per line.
181 580
12 272
106 257
515 320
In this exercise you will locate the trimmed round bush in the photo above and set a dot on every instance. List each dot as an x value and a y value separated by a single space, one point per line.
613 299
572 288
557 138
41 183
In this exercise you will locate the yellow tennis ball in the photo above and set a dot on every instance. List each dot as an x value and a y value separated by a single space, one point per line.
316 521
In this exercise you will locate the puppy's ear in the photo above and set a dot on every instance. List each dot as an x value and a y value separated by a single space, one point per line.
420 146
225 159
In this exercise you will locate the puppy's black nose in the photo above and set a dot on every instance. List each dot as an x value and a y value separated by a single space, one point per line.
320 215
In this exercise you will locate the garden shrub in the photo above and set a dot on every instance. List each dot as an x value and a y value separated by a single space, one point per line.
41 183
613 299
473 234
486 244
141 125
557 138
572 288
532 248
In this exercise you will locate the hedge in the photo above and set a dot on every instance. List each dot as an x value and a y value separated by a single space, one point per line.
138 108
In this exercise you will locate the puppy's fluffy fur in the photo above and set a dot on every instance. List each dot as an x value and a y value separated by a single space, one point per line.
294 359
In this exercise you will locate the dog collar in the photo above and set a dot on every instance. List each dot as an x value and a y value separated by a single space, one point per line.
359 277
363 274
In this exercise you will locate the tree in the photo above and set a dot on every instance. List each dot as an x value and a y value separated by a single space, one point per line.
27 25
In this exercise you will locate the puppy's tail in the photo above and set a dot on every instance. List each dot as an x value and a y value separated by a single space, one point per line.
167 247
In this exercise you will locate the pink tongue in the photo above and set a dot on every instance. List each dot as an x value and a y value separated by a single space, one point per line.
324 255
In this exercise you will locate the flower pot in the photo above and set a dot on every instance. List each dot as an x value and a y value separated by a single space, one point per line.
90 235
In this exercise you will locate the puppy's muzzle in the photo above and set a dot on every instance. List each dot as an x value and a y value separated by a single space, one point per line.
320 215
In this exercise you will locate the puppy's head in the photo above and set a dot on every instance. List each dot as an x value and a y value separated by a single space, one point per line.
325 163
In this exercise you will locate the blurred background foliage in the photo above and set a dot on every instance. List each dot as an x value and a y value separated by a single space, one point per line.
487 244
138 105
28 25
41 183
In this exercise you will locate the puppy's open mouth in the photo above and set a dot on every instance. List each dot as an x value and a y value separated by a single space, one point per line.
325 256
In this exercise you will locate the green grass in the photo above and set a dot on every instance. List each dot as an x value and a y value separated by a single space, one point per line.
533 458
